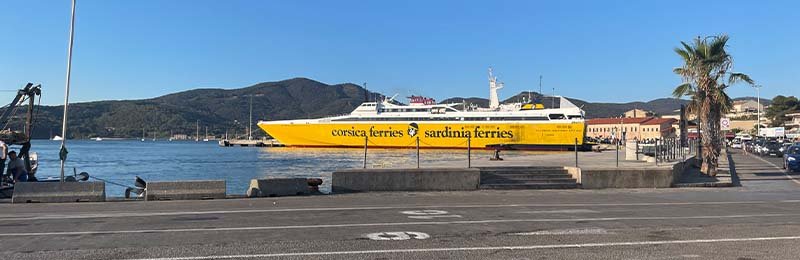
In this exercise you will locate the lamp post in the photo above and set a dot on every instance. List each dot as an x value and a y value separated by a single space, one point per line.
758 109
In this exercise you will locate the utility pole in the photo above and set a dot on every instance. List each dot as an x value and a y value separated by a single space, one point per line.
758 113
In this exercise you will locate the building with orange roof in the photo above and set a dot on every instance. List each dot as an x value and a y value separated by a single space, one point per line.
640 128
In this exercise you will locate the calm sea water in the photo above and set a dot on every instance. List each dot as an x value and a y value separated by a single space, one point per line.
120 161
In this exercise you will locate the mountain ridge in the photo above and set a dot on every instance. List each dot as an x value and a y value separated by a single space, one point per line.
227 110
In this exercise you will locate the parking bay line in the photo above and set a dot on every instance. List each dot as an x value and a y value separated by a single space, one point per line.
386 224
779 168
487 248
29 217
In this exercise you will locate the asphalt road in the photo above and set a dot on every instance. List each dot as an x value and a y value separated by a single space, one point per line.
756 221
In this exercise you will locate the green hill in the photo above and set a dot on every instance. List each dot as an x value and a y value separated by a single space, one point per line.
224 110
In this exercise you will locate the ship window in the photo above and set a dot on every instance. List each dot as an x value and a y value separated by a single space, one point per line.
557 116
575 117
438 110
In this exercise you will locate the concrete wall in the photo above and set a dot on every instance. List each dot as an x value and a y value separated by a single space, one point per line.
185 190
626 178
435 179
48 192
277 187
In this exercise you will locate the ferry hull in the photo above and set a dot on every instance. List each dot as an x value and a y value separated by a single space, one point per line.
509 135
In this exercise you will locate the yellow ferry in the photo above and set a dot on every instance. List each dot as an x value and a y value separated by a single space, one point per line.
423 123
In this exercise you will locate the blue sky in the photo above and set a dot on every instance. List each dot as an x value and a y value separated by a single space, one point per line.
612 51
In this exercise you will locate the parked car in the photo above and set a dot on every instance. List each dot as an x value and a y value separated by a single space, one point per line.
772 148
785 146
791 158
737 144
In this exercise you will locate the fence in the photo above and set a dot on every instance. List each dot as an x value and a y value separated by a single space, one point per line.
660 151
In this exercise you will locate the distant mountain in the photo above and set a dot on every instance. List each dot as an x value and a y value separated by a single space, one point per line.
220 110
224 110
764 101
661 106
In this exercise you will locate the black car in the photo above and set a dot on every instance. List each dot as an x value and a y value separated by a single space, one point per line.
772 149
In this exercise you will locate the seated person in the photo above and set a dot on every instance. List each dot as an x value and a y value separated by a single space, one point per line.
16 168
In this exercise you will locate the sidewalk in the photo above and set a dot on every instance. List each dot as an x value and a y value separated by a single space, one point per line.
726 175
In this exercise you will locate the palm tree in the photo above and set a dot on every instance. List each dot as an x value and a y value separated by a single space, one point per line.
706 74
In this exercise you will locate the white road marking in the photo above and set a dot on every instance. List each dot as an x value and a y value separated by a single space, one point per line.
572 231
36 216
486 248
566 211
405 235
460 222
778 168
436 216
424 212
428 214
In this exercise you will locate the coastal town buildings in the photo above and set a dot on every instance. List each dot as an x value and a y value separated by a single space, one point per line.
637 113
793 125
639 128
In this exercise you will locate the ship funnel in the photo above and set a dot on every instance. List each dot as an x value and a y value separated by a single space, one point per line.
494 101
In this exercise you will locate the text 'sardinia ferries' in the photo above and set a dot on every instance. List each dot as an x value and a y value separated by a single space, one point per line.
392 125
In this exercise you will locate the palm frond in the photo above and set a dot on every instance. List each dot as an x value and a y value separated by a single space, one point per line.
683 90
737 77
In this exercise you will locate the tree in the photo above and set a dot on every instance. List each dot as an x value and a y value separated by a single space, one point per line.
781 105
706 74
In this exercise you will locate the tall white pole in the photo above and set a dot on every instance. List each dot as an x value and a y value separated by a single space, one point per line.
758 113
63 150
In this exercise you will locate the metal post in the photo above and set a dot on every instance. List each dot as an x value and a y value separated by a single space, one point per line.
366 140
576 152
656 152
63 150
617 142
637 150
417 152
469 152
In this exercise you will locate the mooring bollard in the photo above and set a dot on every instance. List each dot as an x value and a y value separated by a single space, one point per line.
366 141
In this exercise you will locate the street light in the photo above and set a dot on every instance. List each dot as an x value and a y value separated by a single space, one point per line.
758 113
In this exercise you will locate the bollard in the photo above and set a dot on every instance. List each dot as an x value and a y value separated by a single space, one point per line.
417 152
366 140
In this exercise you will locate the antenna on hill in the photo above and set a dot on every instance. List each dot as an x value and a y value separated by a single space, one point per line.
540 85
366 93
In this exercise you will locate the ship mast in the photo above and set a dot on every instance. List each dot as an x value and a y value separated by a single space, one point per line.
63 151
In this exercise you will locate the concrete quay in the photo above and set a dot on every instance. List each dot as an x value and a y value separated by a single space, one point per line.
759 220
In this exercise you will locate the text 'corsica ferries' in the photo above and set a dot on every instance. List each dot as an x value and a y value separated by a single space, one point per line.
392 125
